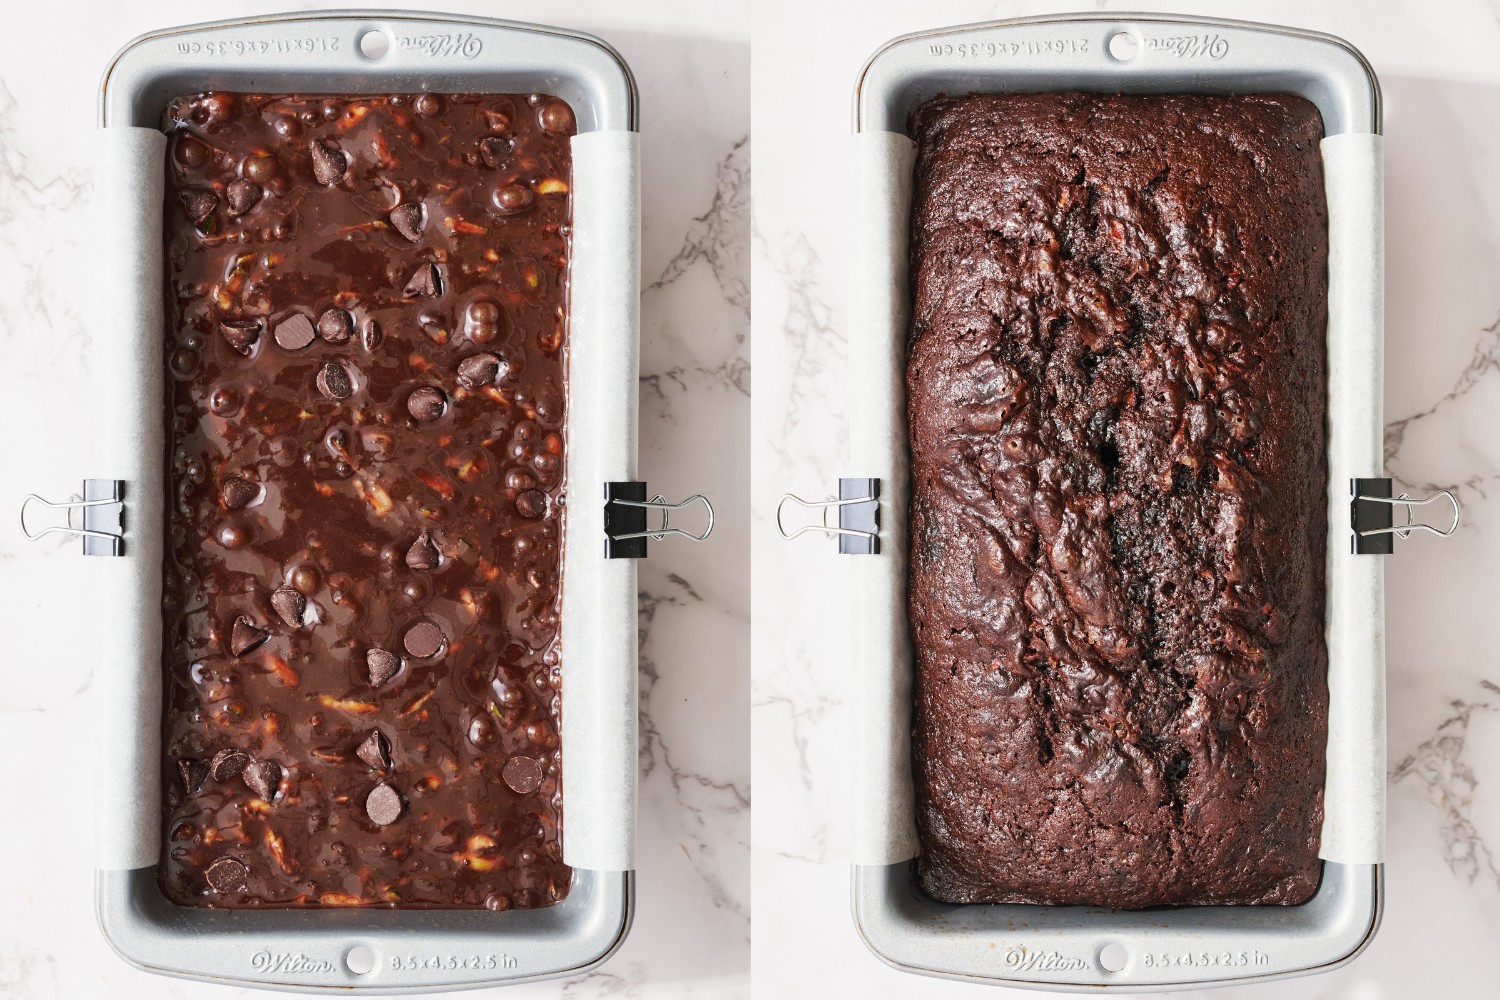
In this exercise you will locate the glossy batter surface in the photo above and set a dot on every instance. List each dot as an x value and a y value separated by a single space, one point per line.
1116 401
365 338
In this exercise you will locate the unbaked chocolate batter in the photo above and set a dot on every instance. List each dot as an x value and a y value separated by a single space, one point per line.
365 338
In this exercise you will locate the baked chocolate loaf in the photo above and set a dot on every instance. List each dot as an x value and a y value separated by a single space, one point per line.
365 334
1116 400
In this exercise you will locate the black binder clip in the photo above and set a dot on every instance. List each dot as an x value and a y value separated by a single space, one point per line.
1372 516
101 509
854 517
626 512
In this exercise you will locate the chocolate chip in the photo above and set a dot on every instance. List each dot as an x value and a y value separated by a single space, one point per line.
190 152
289 605
382 665
522 774
334 382
237 492
234 536
478 370
227 764
227 875
199 204
511 198
426 404
424 282
194 773
241 196
375 751
422 554
482 731
245 636
295 332
482 320
241 334
424 639
336 326
329 162
262 169
532 504
495 151
556 117
371 335
263 777
383 805
408 221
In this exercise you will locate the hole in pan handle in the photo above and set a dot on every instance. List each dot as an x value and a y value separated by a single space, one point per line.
853 516
360 960
374 44
1123 46
1113 957
102 504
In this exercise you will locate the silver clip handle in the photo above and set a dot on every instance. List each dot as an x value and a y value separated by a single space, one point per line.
68 528
1402 531
659 502
824 508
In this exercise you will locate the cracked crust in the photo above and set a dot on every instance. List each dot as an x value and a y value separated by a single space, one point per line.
1116 404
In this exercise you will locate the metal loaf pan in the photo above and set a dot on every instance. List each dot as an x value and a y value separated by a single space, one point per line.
1061 948
413 950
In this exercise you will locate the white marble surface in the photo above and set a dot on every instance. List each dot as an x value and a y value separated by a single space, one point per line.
1442 90
691 62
